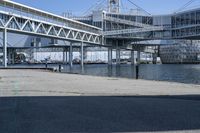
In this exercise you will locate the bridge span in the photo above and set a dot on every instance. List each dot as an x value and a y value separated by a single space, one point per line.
110 29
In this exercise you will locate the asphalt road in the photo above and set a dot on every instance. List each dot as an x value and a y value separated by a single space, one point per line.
99 114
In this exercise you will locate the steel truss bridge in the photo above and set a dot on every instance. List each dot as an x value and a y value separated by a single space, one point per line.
21 19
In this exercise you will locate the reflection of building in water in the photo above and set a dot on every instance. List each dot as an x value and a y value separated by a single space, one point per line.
181 52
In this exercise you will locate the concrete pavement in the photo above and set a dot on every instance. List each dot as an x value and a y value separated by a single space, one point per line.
44 102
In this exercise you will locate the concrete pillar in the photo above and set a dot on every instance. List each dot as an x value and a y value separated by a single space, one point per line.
109 56
132 57
118 56
71 55
64 58
154 58
138 57
9 56
66 53
5 48
117 53
65 50
82 55
13 56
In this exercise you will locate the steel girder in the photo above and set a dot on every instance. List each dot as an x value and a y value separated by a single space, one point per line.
26 25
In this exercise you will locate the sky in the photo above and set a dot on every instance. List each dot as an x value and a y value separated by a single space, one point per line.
78 7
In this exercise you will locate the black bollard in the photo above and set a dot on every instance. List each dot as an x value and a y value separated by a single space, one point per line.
46 65
137 71
59 68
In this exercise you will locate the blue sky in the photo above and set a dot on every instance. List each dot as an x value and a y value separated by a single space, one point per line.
80 6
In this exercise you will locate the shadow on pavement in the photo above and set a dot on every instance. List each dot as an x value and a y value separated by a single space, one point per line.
99 114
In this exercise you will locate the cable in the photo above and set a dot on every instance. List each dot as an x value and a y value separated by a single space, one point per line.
99 2
138 7
185 5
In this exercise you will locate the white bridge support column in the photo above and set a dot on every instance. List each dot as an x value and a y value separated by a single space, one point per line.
71 55
117 54
65 50
5 48
110 56
82 54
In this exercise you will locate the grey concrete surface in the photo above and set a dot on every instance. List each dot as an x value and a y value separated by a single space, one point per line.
41 83
44 102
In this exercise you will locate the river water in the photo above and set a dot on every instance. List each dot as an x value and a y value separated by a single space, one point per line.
160 72
189 74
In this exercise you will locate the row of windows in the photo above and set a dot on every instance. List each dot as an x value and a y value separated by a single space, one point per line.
141 19
186 19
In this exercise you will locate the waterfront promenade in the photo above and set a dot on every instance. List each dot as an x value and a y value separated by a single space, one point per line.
37 101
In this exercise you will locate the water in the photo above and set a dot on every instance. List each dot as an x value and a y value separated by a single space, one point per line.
174 73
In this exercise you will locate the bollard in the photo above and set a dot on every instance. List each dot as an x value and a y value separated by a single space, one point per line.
46 65
137 71
59 68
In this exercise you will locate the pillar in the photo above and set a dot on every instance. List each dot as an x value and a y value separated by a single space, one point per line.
132 57
117 54
154 58
66 53
71 55
82 56
5 48
13 56
65 50
109 56
9 56
138 56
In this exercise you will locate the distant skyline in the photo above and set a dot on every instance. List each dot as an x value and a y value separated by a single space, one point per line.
78 7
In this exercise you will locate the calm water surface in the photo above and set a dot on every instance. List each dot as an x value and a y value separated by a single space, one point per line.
175 72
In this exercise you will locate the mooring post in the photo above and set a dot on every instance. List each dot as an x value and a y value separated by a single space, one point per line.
60 67
46 64
137 71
